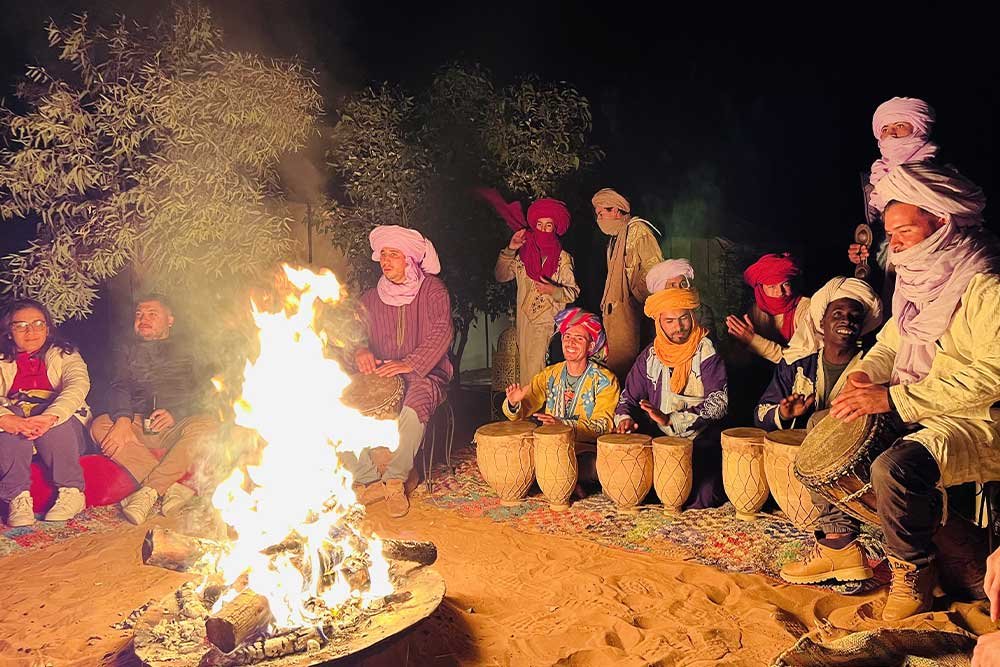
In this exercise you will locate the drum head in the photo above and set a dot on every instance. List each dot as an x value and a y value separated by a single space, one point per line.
371 392
790 436
626 439
672 441
554 429
745 433
831 444
507 428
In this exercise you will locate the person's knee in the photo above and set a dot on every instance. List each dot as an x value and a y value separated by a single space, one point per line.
13 447
100 426
903 464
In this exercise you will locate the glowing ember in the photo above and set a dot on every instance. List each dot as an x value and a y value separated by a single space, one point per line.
299 493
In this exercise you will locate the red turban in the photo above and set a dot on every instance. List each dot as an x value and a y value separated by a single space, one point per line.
774 269
541 251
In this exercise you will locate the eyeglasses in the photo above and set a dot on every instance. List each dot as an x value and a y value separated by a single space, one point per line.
22 327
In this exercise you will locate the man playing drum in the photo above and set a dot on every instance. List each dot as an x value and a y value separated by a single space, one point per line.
935 368
408 320
678 387
811 374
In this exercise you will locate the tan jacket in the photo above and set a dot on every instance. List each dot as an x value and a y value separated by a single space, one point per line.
69 378
767 329
532 305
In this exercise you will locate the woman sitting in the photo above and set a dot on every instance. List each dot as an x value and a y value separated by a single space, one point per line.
43 387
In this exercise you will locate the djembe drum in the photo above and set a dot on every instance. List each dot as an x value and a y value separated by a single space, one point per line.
504 454
375 396
835 461
555 464
743 470
672 472
780 450
625 468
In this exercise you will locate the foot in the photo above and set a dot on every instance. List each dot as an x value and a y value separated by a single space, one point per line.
396 502
20 512
69 503
911 591
138 506
174 498
368 494
824 563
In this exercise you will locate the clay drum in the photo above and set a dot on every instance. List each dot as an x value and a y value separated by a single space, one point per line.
743 470
672 473
625 468
780 450
504 453
555 464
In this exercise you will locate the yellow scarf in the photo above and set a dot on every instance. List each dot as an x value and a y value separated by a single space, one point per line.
674 356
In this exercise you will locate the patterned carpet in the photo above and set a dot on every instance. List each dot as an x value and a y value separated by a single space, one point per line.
714 537
43 533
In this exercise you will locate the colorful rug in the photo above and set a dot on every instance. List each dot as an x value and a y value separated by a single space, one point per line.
714 537
44 533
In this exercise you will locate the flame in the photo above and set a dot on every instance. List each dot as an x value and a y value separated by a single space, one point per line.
298 491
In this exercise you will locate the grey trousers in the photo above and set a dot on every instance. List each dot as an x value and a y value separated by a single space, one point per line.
411 434
59 451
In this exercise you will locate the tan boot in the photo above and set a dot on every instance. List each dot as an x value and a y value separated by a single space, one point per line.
397 504
368 494
911 591
824 563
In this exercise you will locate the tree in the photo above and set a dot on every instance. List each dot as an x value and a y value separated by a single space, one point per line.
414 160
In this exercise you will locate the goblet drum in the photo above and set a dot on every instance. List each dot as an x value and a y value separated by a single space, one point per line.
743 470
780 450
555 464
672 472
625 468
504 454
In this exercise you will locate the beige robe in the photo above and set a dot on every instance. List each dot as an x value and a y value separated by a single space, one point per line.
953 404
631 254
767 329
536 312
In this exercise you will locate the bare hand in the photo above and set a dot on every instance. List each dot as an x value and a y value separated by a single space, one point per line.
365 361
545 288
14 425
120 435
740 329
795 405
39 425
547 420
516 393
518 239
860 397
991 584
626 426
987 652
161 420
857 253
654 413
390 368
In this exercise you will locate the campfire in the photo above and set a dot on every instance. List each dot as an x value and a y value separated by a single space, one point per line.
299 573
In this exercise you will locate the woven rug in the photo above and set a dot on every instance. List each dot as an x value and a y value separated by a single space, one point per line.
714 537
44 533
886 648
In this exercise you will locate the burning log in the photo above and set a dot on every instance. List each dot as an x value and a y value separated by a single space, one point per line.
246 615
423 553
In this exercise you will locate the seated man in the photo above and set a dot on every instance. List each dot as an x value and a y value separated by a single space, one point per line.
678 387
578 391
845 309
408 321
935 370
680 273
154 403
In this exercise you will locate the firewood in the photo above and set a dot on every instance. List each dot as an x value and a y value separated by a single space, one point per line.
424 553
174 551
247 614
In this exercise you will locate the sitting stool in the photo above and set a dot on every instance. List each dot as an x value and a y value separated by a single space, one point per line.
440 431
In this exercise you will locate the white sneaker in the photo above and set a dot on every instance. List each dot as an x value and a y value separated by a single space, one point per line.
20 512
174 498
69 503
137 506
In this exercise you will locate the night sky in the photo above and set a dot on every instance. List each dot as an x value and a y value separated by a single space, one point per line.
765 116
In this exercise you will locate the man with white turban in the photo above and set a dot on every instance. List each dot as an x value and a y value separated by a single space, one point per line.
408 319
935 371
679 273
632 252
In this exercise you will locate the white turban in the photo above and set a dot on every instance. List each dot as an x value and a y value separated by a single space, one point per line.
807 339
669 268
937 189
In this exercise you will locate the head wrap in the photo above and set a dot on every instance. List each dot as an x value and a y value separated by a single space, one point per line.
937 189
808 339
674 356
421 259
541 250
568 318
774 269
608 197
668 268
895 151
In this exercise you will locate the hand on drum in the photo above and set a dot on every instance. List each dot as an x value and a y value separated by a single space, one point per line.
860 397
857 253
987 653
627 425
991 584
516 393
387 369
740 329
654 413
795 405
546 420
365 361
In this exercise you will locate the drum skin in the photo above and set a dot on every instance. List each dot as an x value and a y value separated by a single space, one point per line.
672 471
625 468
555 464
780 451
375 396
505 456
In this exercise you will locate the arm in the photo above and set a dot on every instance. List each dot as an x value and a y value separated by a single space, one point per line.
532 402
120 389
504 269
73 390
714 408
438 336
766 415
565 276
642 253
636 389
878 362
601 419
766 348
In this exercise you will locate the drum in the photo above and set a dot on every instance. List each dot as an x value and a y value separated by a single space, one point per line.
672 473
816 418
504 453
625 468
780 450
374 396
835 461
743 470
555 464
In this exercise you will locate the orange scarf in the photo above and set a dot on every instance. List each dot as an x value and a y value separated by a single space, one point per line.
674 356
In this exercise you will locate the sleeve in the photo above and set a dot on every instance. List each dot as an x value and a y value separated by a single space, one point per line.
766 415
533 401
73 390
976 383
4 410
636 389
766 348
120 390
504 269
645 254
438 334
878 362
566 277
714 408
601 420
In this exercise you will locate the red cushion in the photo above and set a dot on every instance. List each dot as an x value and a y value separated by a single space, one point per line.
106 483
